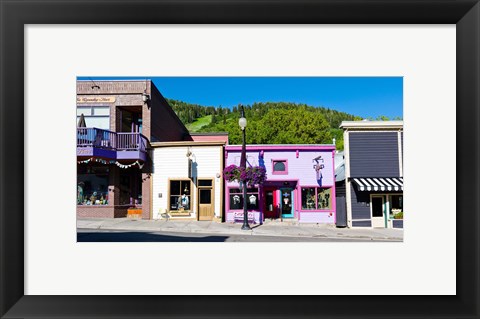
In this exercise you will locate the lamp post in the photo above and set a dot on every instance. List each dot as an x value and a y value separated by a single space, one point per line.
242 122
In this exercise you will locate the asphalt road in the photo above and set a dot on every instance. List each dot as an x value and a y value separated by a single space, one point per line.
100 235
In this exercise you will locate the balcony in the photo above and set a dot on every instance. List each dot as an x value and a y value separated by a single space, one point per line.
94 142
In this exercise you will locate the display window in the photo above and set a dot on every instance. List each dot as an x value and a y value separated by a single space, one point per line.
315 198
92 185
236 198
180 195
396 206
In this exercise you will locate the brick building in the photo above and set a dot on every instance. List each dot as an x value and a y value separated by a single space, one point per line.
116 122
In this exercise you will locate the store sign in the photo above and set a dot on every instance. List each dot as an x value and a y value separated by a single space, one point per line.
84 151
95 99
190 173
318 168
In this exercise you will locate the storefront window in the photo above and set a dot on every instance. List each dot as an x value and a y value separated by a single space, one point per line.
308 198
236 198
396 207
95 116
316 198
180 195
92 185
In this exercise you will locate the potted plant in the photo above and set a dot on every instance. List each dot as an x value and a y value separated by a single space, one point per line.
254 175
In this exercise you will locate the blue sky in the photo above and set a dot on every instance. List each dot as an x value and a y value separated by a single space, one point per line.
361 96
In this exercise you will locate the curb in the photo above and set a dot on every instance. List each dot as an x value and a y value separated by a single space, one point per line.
250 233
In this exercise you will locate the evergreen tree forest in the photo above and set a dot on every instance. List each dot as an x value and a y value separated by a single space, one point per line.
271 122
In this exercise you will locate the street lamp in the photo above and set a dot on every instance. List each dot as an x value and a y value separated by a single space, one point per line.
242 122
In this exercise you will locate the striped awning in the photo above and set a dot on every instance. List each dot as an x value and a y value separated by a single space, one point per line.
371 184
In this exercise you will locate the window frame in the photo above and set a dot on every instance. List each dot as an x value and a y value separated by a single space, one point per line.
285 162
170 180
92 114
315 187
241 201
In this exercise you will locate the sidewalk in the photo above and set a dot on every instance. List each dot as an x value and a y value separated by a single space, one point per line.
269 228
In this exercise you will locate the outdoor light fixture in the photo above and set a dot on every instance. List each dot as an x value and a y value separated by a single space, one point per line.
145 97
242 122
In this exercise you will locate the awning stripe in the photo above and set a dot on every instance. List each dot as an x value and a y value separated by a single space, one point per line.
360 185
374 183
368 187
379 183
383 185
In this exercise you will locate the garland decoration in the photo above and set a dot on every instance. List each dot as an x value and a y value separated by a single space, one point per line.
124 166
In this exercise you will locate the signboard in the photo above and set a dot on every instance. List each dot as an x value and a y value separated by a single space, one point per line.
95 99
190 175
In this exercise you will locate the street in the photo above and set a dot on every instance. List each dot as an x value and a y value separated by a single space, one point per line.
100 235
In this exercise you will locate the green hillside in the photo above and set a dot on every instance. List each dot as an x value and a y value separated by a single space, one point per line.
198 123
268 123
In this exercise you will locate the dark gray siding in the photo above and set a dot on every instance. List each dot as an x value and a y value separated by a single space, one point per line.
401 136
373 154
340 189
363 223
397 223
360 210
341 211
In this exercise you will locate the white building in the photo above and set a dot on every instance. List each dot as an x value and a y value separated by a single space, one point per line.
187 180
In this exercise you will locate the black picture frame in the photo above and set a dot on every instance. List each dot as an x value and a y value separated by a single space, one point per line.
16 14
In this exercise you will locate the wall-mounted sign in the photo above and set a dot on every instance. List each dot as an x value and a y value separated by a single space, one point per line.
95 99
318 168
84 151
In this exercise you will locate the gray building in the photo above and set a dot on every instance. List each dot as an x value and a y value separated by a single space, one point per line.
373 152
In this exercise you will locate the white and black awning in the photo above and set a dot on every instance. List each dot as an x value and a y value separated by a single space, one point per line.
375 184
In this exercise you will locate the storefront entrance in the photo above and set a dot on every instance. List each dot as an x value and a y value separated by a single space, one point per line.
205 199
378 211
271 203
279 202
286 202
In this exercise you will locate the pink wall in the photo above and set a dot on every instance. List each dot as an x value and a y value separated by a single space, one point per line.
300 168
300 162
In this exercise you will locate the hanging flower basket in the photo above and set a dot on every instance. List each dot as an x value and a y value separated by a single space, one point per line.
255 175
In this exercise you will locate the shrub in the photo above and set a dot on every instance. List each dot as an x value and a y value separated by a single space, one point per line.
398 215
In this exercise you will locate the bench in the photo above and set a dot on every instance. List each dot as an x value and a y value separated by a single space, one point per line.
238 217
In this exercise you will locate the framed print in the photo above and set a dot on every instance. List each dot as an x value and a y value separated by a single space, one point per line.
59 277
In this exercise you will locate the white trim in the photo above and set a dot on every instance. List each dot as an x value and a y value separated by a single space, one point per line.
348 193
371 124
400 154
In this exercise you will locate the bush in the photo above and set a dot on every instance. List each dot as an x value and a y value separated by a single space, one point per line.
398 216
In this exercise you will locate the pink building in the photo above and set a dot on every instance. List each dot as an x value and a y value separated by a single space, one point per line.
300 184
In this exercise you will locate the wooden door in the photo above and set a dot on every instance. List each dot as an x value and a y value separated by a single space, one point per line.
206 203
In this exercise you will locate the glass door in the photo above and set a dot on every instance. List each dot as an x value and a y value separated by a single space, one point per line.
286 202
378 211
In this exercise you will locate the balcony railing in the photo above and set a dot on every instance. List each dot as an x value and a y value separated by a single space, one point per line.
95 137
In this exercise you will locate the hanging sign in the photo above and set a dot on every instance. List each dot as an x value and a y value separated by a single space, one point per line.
190 175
